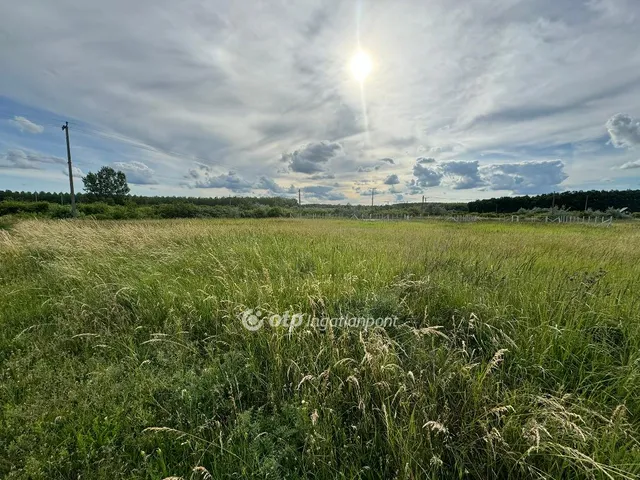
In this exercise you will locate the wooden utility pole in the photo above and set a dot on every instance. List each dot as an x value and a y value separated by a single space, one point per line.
65 127
553 202
300 201
586 202
373 192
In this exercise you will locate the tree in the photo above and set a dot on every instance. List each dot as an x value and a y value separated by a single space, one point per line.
107 183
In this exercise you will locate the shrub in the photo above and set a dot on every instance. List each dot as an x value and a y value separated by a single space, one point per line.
177 210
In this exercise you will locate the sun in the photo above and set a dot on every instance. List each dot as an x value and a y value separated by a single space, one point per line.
361 66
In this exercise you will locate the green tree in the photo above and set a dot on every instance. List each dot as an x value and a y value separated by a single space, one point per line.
107 183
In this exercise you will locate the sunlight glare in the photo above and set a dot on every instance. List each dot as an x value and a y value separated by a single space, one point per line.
361 66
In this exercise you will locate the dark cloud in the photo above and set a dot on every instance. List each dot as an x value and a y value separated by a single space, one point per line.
413 188
323 192
624 131
426 176
367 168
267 183
313 157
465 175
390 161
392 180
525 177
425 160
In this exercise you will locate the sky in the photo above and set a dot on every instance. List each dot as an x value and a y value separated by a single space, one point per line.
464 100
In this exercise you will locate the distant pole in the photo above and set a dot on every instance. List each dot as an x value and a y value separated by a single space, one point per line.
300 201
373 192
553 203
586 202
65 127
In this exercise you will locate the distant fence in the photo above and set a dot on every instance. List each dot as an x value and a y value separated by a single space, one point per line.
560 219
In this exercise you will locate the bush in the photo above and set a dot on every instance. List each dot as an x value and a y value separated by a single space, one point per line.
274 212
177 210
60 211
12 207
93 208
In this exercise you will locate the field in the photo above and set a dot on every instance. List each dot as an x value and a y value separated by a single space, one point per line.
515 354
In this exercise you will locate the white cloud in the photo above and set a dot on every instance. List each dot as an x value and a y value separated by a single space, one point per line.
231 181
77 172
25 125
624 131
236 86
137 173
631 165
31 160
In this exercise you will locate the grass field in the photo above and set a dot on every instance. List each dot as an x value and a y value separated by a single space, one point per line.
516 352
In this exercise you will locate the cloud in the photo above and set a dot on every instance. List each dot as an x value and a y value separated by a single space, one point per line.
392 180
313 157
368 168
25 125
77 172
323 192
624 131
425 176
413 187
231 181
525 177
403 142
425 160
390 161
464 174
19 159
631 165
267 183
322 176
198 80
137 173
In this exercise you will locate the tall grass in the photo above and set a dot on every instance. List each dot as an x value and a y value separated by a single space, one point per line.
516 352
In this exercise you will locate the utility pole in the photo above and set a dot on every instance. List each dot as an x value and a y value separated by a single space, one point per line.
373 192
586 202
553 203
300 201
65 127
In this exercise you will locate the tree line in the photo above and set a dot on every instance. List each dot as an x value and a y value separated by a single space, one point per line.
573 201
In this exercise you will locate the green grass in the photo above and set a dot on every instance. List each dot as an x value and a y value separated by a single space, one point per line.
516 352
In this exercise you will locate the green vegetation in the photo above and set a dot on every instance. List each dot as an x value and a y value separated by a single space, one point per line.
516 353
576 201
106 184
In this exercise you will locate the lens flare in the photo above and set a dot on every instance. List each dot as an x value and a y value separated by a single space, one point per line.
361 66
